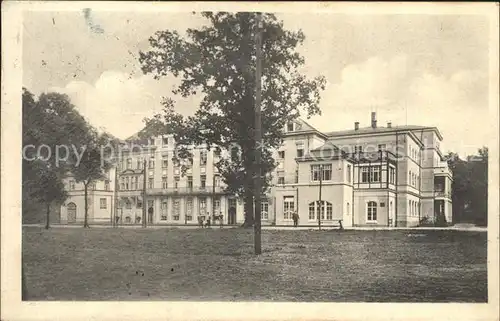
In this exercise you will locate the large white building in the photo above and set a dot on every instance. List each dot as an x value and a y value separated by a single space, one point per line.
383 176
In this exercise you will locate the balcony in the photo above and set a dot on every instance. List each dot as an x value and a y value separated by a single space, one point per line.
443 169
197 190
442 194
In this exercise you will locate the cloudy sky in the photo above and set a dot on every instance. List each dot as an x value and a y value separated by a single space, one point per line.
411 69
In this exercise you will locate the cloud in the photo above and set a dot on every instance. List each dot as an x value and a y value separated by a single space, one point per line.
403 93
119 103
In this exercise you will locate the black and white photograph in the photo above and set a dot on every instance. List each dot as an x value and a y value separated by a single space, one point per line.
211 154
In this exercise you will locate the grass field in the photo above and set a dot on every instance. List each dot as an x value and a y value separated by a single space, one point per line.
218 264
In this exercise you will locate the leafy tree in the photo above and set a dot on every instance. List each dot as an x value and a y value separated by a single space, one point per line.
93 164
218 61
470 187
51 121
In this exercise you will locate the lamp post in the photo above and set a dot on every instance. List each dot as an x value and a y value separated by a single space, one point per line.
258 137
144 203
320 202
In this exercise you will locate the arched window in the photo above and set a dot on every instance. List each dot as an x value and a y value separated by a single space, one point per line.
315 209
371 212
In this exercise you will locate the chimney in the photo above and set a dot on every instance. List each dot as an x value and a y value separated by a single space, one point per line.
389 125
374 120
356 125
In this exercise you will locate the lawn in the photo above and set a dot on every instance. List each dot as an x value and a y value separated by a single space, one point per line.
218 264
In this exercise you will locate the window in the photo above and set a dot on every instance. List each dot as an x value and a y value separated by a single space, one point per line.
127 183
151 163
203 181
348 173
128 204
150 183
264 210
409 178
217 181
164 183
164 162
288 207
176 182
281 180
290 126
300 149
132 184
364 174
139 163
326 171
203 157
381 147
410 205
189 209
190 181
122 183
103 204
392 175
329 211
375 174
176 209
71 185
315 209
138 203
151 141
202 205
106 185
137 183
371 212
358 149
92 186
164 141
281 154
164 207
312 211
217 205
129 163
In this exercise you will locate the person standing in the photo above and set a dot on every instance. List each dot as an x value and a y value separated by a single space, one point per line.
295 218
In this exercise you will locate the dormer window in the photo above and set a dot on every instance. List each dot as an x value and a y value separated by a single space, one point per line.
290 127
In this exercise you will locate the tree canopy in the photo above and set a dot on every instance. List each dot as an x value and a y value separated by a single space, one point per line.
218 62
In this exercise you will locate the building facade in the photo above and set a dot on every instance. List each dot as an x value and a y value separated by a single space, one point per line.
370 176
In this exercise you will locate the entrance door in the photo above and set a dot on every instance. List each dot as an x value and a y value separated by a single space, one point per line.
231 212
150 211
71 213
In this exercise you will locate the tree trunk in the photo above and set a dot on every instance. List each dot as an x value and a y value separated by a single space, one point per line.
85 219
47 220
248 204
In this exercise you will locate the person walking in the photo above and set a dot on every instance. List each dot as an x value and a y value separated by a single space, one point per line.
295 218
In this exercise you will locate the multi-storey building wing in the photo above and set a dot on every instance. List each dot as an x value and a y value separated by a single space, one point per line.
367 176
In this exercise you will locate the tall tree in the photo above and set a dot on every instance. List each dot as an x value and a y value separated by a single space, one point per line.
218 61
51 122
93 165
470 187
